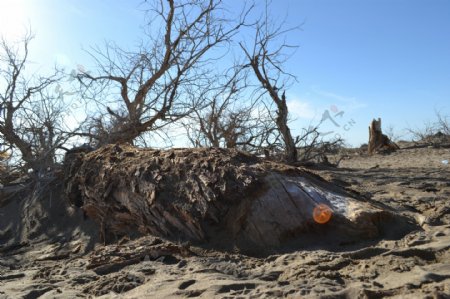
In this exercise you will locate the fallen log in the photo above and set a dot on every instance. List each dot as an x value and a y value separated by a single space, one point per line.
224 198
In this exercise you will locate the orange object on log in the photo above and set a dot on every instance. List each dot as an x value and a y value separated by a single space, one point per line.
322 213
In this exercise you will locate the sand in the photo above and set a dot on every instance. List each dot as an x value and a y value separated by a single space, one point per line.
68 263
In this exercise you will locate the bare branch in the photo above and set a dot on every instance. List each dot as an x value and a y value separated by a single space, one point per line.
156 82
30 117
267 65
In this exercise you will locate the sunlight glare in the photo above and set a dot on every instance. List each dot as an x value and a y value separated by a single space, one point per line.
322 213
13 19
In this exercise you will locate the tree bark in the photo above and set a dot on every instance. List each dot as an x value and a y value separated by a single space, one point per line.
216 197
291 154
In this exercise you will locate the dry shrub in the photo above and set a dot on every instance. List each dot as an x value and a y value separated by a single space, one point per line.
435 133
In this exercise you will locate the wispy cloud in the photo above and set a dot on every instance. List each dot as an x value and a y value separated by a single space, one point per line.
350 103
301 109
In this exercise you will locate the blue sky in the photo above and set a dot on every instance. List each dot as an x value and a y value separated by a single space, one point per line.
366 58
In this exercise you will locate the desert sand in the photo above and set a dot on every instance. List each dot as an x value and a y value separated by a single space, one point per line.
48 249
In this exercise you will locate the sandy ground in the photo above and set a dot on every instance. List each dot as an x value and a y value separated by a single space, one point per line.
413 182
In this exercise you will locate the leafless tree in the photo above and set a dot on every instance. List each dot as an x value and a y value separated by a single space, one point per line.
147 89
266 56
230 119
313 147
30 116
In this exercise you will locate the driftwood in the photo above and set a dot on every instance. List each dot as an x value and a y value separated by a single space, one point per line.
223 198
379 142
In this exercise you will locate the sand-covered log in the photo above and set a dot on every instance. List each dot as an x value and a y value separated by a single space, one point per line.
224 198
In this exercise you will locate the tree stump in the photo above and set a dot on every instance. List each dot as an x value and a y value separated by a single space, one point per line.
377 140
220 198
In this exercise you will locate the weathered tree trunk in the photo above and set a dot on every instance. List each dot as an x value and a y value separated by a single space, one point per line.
377 140
224 198
291 155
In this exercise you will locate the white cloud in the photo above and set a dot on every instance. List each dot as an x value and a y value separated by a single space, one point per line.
349 103
301 109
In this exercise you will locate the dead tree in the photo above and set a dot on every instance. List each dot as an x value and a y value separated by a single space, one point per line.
30 116
156 85
228 120
377 140
267 65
